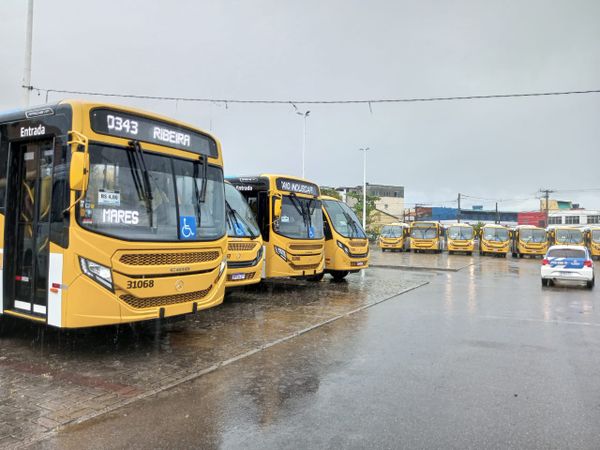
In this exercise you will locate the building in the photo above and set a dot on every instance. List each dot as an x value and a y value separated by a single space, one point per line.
391 198
471 216
574 217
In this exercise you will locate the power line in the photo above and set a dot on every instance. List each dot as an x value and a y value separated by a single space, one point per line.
309 102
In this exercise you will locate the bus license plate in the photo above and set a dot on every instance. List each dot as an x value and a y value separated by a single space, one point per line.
238 276
360 263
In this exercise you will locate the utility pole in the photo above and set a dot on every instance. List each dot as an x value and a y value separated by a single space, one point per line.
364 150
546 193
458 213
497 218
305 116
28 47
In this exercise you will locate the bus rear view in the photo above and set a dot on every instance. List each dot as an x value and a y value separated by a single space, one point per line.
288 212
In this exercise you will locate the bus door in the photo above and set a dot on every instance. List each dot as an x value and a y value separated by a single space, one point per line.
26 234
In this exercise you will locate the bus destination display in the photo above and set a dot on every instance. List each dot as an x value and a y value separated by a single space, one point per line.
129 126
298 187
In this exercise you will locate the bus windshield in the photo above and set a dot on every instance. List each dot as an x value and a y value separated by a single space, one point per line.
424 232
565 236
392 231
301 218
495 234
240 218
533 236
596 235
460 233
139 197
343 219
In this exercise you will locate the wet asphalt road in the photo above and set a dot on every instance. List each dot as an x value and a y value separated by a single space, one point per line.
479 358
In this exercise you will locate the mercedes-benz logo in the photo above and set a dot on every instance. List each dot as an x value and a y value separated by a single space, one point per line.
179 285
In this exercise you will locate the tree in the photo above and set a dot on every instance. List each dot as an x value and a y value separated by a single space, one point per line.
331 193
358 205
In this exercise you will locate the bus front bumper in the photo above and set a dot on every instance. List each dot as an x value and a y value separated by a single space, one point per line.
87 304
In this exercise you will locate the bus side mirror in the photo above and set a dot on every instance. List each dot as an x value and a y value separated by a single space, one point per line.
276 207
79 173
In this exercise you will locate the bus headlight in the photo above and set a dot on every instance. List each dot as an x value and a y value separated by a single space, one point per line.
222 266
343 247
97 272
281 253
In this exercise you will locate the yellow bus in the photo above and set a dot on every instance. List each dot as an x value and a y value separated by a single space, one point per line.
288 212
108 215
346 243
245 247
426 236
393 237
560 235
494 240
460 237
592 237
528 240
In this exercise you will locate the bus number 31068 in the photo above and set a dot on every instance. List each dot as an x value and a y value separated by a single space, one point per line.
138 284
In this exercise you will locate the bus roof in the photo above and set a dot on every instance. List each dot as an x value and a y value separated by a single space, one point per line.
80 107
458 224
494 225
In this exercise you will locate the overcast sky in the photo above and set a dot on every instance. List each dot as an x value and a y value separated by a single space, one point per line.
345 49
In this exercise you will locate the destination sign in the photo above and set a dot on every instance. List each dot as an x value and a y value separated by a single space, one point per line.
298 187
144 129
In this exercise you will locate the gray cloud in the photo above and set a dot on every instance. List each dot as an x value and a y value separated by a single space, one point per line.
346 49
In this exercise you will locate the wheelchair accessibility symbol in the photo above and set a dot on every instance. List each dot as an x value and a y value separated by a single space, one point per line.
187 227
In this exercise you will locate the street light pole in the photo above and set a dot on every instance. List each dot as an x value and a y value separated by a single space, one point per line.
28 47
305 116
364 150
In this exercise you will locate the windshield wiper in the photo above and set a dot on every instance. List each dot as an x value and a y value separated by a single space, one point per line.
234 216
147 189
352 224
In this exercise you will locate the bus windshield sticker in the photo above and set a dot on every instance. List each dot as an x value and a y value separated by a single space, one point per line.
239 229
311 232
106 197
298 187
187 227
139 128
285 219
120 216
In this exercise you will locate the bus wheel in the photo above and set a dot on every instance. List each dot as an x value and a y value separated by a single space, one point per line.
339 275
317 277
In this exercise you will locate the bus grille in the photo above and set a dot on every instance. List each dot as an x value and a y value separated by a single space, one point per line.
152 302
168 259
306 246
304 266
241 246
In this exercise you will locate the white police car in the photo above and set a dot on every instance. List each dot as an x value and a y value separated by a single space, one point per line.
567 263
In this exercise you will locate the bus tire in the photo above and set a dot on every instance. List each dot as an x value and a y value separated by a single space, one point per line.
339 275
316 278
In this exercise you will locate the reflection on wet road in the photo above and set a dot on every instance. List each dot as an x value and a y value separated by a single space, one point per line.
484 357
50 378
